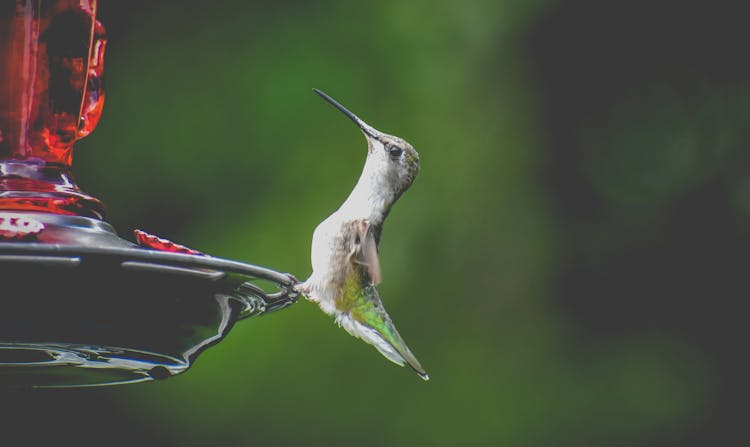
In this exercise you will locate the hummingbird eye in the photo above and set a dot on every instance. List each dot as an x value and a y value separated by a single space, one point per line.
395 151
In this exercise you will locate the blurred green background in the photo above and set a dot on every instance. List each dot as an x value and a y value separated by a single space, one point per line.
567 266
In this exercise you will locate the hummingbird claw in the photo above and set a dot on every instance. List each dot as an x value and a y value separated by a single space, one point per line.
293 279
300 287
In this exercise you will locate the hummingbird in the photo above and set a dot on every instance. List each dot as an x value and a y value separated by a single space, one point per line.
344 250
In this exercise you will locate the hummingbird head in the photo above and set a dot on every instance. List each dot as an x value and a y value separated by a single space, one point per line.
390 157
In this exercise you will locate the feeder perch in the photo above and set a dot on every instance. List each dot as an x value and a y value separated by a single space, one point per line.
80 306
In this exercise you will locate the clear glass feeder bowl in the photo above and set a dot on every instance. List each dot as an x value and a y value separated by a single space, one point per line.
111 312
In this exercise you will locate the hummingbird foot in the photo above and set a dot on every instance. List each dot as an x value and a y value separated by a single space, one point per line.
303 288
293 279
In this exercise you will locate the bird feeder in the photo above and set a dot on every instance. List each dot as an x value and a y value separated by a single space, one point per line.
79 305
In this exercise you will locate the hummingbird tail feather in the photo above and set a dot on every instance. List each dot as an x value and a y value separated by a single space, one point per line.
371 336
395 350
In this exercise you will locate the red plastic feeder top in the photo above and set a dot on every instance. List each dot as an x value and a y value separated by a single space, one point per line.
50 96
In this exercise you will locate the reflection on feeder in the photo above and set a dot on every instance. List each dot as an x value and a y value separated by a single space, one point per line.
79 306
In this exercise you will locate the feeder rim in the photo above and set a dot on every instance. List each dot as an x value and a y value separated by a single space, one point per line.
145 255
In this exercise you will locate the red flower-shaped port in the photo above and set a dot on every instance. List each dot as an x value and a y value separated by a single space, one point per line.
156 243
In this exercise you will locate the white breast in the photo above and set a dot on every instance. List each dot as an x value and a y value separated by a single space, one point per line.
325 239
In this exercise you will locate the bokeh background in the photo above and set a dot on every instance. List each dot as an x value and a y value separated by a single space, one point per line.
569 265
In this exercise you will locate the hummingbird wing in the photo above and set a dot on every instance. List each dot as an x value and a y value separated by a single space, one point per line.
366 250
367 319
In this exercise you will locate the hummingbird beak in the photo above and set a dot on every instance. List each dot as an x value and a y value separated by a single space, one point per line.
366 128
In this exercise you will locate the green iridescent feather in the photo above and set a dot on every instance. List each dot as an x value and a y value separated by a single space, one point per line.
362 304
